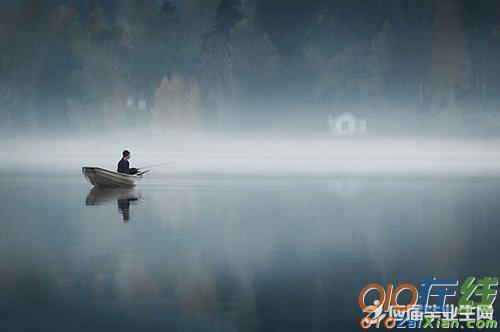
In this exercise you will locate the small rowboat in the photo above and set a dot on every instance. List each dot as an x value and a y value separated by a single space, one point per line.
100 177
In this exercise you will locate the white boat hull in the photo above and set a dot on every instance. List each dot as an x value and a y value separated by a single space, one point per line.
100 177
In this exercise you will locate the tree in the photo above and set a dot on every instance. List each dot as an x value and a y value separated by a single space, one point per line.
55 86
449 70
23 52
102 75
379 67
194 21
150 38
240 67
228 14
177 103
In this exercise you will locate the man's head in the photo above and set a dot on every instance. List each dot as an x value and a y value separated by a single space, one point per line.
126 154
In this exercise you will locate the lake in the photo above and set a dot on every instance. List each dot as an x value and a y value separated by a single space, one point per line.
231 253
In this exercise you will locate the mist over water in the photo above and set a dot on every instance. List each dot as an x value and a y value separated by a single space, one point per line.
271 156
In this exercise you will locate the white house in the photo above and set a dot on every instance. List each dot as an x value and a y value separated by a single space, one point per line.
346 124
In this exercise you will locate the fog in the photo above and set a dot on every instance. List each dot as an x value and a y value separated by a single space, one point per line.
251 86
249 67
313 146
283 156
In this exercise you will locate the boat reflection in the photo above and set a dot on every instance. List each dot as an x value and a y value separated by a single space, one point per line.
123 197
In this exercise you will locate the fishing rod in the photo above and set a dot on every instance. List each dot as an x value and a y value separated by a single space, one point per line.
162 164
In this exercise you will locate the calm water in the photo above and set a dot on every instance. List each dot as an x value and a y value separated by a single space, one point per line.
227 254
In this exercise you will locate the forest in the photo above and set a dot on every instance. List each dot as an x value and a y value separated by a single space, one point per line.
250 66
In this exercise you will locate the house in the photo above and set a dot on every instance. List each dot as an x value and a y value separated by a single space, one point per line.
346 124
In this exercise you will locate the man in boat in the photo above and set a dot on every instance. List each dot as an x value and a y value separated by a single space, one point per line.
123 165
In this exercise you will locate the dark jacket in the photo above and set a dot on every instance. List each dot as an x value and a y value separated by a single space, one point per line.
123 167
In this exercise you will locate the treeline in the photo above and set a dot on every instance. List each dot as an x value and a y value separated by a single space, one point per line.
249 64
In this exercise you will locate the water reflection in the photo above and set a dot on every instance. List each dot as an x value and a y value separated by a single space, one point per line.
236 254
123 197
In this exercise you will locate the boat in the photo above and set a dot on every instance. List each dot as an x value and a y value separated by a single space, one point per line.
100 177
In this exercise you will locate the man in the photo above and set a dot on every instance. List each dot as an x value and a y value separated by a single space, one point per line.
123 165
